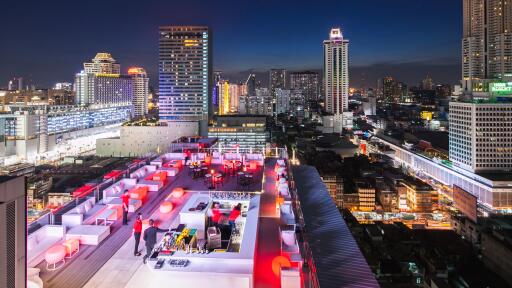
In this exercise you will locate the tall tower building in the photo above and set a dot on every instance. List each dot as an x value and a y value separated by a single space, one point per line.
140 91
185 70
336 72
224 97
487 40
499 38
277 80
306 82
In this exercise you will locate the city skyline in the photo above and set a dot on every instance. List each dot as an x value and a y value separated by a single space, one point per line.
242 47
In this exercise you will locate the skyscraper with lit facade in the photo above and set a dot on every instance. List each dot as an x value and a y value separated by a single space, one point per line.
336 72
306 82
185 70
277 80
486 43
140 90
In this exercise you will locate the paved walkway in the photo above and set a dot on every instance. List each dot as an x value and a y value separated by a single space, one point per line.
268 245
83 266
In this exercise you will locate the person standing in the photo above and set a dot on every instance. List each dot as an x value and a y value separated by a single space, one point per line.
137 230
125 198
150 238
237 210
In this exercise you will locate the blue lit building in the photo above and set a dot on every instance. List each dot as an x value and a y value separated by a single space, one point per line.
185 71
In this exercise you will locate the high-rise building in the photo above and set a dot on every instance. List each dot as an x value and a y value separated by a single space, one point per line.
487 40
13 229
217 77
140 90
277 80
307 83
251 84
479 136
224 102
185 70
336 73
427 83
103 88
102 63
101 82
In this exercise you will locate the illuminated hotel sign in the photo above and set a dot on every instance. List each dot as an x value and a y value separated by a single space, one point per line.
501 88
107 75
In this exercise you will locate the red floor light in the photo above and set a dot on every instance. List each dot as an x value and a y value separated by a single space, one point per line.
278 262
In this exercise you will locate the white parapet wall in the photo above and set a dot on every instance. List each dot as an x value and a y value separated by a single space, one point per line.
140 140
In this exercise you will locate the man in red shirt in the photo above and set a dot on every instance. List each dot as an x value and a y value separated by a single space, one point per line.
137 230
125 199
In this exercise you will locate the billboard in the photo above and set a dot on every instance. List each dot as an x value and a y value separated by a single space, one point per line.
465 202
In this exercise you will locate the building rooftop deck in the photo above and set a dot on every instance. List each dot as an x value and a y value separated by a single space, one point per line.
112 264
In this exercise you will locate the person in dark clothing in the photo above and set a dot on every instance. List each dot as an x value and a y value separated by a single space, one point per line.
150 238
137 230
125 198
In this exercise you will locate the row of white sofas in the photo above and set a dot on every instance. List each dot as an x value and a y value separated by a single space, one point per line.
41 240
117 189
76 224
83 213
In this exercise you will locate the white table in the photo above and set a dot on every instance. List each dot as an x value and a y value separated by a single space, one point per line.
104 216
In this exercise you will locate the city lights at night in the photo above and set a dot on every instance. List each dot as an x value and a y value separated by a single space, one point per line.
256 144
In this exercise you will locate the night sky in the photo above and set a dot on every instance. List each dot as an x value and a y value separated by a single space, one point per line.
47 41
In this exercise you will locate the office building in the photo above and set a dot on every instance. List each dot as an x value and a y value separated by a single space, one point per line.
487 41
12 232
336 77
251 84
260 104
480 136
282 101
277 80
307 83
240 131
185 70
140 91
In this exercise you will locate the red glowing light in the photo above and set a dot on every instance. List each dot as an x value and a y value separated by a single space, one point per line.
278 262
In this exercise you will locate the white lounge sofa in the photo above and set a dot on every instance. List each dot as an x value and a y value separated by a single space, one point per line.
117 203
88 234
41 240
82 213
117 189
171 172
143 171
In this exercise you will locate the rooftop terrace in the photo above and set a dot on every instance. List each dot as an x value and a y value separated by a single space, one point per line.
251 262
